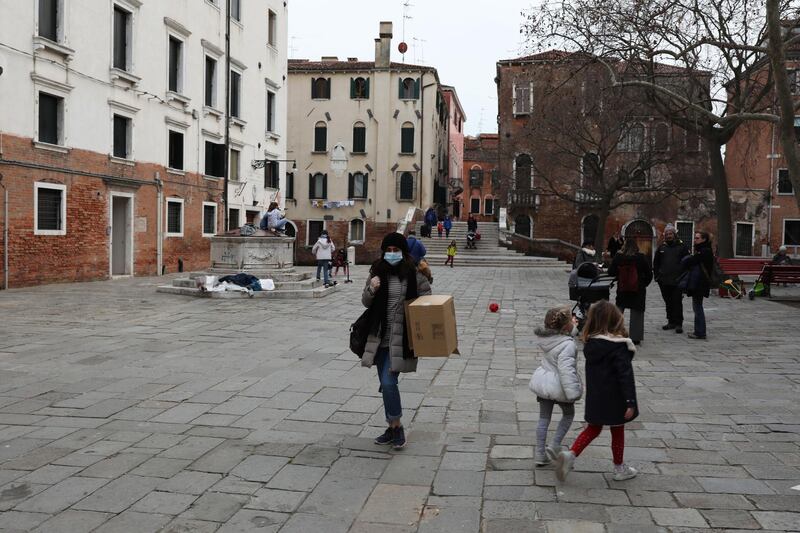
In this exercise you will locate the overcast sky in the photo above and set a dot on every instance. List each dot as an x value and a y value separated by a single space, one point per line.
463 39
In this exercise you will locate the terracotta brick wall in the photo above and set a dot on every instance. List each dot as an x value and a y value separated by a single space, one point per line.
83 253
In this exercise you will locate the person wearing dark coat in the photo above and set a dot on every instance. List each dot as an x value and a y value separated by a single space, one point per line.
615 244
610 387
633 300
667 268
700 266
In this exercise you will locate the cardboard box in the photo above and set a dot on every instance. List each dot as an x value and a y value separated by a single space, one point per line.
431 323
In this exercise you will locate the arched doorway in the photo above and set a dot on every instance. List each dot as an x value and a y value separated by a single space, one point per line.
589 228
522 225
643 233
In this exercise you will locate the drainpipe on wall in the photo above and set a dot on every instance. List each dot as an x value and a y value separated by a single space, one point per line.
5 233
772 156
159 224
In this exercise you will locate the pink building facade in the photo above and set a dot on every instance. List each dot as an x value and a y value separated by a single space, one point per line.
455 153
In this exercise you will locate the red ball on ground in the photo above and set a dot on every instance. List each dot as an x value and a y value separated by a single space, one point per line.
493 307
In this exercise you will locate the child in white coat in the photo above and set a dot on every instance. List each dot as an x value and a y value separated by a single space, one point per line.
556 381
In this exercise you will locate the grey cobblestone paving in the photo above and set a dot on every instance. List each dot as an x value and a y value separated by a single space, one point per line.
126 410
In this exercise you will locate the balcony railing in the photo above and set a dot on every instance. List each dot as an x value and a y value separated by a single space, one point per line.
586 196
523 199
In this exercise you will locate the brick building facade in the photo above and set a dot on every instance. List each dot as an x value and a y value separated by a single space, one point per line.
113 151
481 176
530 88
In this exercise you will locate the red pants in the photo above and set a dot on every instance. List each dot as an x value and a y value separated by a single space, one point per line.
592 431
449 260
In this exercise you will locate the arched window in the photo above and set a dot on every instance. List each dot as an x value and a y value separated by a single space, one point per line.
631 138
475 204
590 168
661 137
357 185
318 186
476 176
522 225
356 230
407 138
321 137
589 228
321 88
359 88
290 229
409 89
359 138
523 176
405 187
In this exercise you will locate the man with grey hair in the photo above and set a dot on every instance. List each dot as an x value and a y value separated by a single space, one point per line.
667 268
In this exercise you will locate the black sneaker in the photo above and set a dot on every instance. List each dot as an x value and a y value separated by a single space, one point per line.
678 329
386 438
666 327
399 441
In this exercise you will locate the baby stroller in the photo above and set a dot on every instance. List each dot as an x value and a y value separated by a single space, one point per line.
471 239
587 285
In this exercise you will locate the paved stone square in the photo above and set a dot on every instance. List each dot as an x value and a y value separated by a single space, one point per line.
124 410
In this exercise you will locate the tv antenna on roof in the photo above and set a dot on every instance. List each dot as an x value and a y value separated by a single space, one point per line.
292 46
421 60
407 5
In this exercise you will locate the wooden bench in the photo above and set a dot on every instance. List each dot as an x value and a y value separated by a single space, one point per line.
742 267
771 274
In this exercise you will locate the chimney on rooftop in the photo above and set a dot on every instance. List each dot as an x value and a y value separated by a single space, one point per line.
383 46
329 59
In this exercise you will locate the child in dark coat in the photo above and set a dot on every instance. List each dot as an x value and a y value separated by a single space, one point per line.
610 387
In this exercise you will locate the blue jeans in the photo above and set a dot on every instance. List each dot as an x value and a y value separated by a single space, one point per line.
322 264
391 393
280 224
699 316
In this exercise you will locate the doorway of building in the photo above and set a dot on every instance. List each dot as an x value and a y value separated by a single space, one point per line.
589 230
456 209
121 235
642 232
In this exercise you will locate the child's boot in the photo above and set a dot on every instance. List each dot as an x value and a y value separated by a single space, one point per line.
541 458
623 472
564 462
552 451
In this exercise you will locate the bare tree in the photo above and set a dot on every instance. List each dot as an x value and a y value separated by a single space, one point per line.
595 145
718 48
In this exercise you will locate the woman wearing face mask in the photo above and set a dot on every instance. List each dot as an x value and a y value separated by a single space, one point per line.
392 280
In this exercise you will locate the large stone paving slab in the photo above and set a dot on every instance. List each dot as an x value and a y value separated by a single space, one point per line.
137 411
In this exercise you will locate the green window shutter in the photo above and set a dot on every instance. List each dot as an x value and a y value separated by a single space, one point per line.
350 185
366 185
311 186
328 89
352 88
325 186
400 92
416 88
367 95
313 88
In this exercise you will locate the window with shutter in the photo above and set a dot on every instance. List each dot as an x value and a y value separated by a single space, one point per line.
475 205
233 163
271 98
407 138
289 193
321 137
236 94
357 185
209 219
784 183
522 171
409 89
488 206
522 98
317 186
271 180
359 138
356 230
406 186
174 217
320 88
215 160
359 88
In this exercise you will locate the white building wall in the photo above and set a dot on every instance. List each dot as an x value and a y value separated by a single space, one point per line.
80 70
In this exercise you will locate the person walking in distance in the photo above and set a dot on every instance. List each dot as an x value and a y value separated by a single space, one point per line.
556 381
587 254
610 388
700 266
448 225
667 268
440 228
615 244
393 280
633 274
451 253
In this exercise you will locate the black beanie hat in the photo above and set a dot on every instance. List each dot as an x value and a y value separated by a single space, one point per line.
395 239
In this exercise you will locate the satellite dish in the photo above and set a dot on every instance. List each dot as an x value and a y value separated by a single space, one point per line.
339 160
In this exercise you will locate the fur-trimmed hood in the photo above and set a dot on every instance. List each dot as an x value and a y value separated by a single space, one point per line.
616 338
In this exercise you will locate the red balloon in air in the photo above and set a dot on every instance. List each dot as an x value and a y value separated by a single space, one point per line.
493 307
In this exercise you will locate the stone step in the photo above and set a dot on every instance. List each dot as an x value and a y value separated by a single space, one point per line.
308 283
318 292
